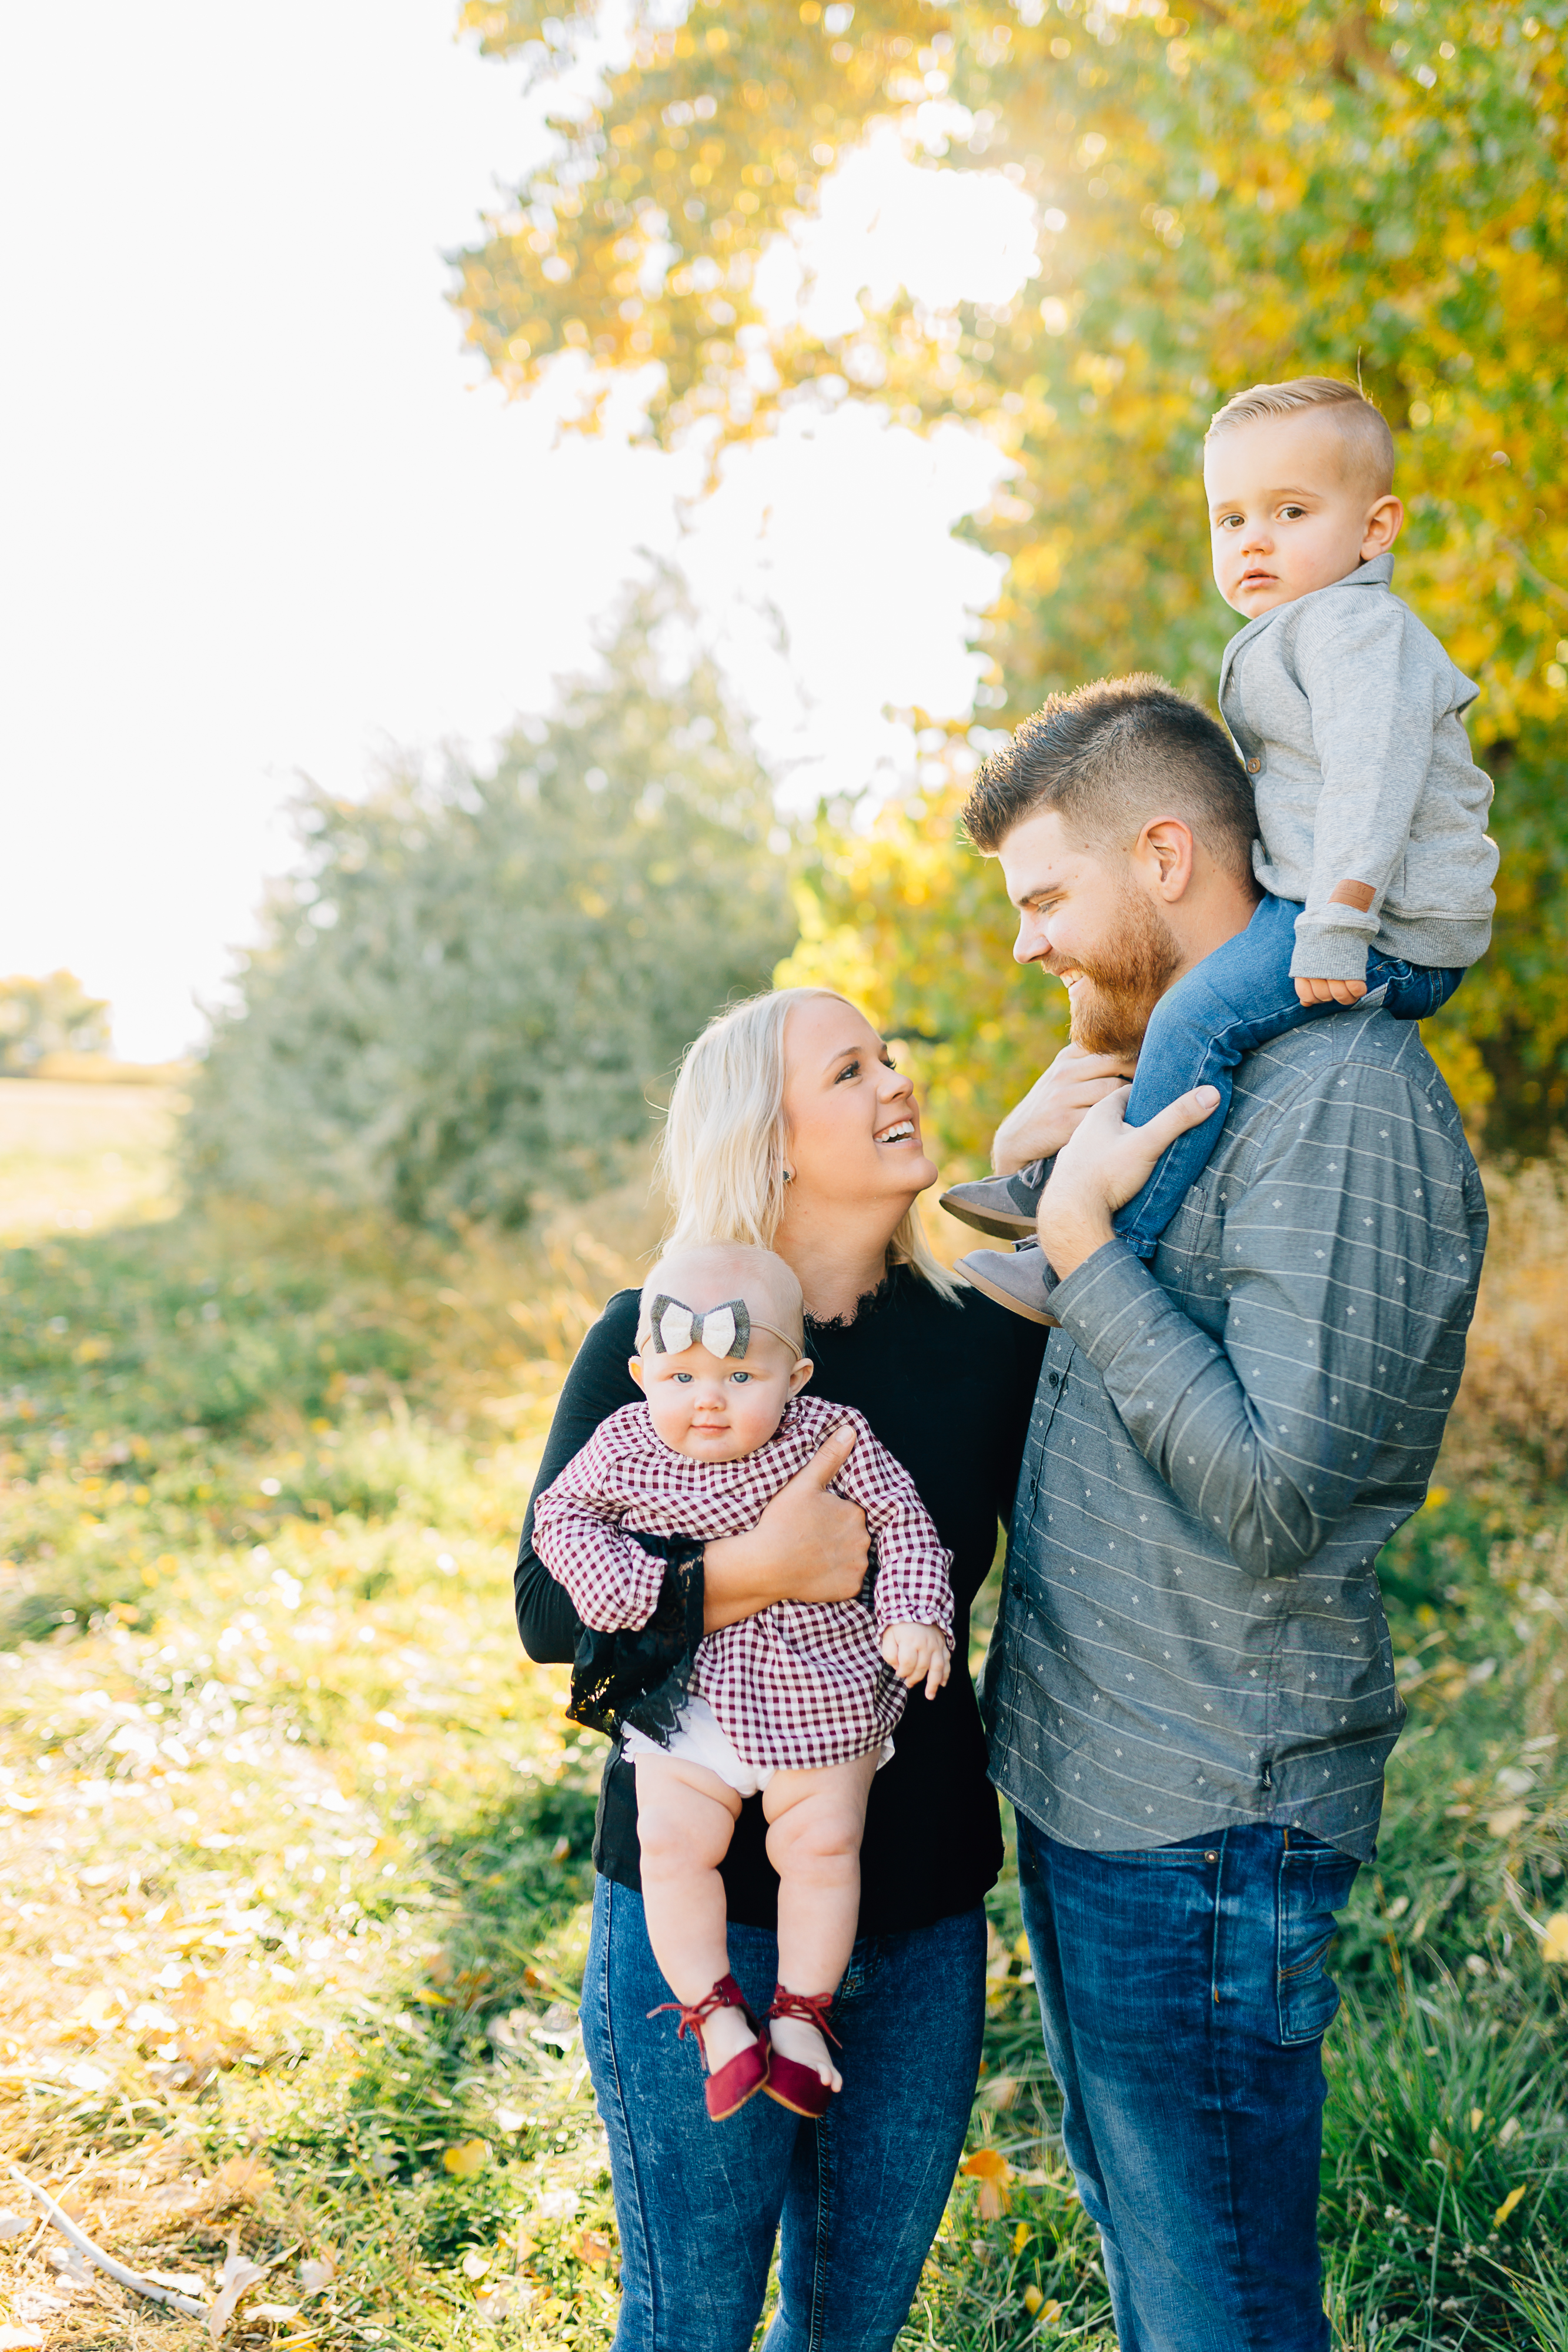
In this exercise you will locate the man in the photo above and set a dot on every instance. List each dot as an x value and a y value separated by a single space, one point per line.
1190 1692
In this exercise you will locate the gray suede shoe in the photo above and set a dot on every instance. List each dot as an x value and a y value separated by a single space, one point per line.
1003 1205
1014 1278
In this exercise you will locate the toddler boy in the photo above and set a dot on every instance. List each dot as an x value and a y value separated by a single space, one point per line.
1373 857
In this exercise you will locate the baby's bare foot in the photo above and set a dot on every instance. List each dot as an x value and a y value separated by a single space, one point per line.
724 2035
792 2037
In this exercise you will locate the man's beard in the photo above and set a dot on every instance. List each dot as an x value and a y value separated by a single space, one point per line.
1119 989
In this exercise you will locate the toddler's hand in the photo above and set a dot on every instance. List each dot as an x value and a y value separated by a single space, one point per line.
1330 991
918 1652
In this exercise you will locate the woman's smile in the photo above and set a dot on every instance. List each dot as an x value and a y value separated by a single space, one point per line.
902 1130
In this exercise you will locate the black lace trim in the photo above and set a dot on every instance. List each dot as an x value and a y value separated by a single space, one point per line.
638 1678
862 1306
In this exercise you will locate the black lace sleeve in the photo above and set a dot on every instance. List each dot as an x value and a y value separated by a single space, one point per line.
639 1677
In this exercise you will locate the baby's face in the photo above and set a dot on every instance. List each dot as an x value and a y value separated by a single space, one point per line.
720 1408
1287 512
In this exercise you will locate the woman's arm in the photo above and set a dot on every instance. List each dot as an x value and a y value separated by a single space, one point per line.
597 1385
808 1545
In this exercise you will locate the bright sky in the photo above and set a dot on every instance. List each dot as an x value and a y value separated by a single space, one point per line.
260 516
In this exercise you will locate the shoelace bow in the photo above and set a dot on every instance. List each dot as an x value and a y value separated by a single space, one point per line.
697 2015
807 2009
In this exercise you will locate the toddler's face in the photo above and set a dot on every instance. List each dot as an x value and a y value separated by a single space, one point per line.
1286 514
720 1408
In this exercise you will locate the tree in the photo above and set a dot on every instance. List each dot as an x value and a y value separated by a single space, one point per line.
1262 188
51 1016
466 993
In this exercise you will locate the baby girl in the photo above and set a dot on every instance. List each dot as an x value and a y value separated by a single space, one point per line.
798 1702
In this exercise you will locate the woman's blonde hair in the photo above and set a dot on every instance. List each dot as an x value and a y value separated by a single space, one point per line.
722 1158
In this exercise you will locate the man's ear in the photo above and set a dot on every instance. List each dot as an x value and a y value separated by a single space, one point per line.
800 1375
1164 849
1385 521
634 1366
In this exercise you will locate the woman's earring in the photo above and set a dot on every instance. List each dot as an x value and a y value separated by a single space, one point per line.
789 1175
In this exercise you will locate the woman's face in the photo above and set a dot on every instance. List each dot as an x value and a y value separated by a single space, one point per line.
852 1123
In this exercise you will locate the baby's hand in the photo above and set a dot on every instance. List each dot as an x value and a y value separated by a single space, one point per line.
1330 991
916 1651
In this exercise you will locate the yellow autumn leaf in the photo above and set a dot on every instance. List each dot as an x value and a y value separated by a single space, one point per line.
1032 2299
1020 2237
992 2170
1506 1820
1506 2208
1555 1946
593 2246
467 2159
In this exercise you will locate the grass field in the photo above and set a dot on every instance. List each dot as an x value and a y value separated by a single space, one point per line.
296 1859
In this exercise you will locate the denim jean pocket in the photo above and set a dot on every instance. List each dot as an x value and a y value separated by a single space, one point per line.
1315 1881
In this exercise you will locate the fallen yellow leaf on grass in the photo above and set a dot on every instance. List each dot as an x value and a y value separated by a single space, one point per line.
1506 2208
593 2246
1506 1820
243 2177
467 2159
992 2170
1554 1950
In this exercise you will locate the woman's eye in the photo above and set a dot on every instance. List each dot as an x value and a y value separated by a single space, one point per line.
850 1070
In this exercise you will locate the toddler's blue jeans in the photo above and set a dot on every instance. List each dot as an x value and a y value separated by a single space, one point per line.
1184 1996
1235 999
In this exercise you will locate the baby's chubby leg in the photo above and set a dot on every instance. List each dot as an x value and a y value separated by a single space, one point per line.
685 1818
815 1820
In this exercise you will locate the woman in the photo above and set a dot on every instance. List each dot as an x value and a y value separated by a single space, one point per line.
791 1127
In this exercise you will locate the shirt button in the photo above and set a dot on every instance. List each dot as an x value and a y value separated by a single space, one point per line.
1052 1378
1018 1590
1253 766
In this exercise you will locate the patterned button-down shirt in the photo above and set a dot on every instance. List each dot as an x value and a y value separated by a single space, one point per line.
802 1683
1191 1634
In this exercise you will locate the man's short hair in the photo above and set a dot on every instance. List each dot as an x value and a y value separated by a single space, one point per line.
1369 444
1110 757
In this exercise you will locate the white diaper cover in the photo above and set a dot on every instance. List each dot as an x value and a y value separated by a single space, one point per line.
701 1739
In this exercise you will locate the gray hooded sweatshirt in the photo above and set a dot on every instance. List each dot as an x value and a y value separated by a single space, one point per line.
1346 710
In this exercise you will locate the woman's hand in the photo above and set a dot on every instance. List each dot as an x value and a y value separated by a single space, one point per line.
808 1545
1038 1127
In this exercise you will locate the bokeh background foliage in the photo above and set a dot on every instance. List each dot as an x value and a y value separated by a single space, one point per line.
466 989
1250 191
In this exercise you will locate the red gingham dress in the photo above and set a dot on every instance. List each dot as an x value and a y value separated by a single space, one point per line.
802 1683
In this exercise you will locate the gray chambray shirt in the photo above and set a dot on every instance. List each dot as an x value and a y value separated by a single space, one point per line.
1191 1634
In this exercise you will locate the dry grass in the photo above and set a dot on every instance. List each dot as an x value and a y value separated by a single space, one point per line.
1514 1400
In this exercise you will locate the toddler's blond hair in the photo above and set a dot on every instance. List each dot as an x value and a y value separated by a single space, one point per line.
1369 444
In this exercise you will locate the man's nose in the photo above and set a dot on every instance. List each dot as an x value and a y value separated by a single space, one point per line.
1033 942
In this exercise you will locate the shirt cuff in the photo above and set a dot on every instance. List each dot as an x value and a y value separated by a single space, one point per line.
1332 950
1092 1302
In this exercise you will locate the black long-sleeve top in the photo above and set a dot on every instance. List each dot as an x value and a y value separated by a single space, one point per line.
948 1388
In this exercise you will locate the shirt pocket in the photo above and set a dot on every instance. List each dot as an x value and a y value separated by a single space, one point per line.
1315 1881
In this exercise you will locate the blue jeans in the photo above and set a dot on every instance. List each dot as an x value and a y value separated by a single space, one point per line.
855 2198
1183 1998
1235 999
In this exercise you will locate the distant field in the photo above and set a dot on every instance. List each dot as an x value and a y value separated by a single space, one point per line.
76 1158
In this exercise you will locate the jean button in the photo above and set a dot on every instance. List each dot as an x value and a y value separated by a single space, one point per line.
1212 1855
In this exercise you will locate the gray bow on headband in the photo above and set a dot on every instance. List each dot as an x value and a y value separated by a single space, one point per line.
674 1326
722 1330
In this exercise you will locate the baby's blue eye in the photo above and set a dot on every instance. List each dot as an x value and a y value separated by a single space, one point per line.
740 1376
686 1377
